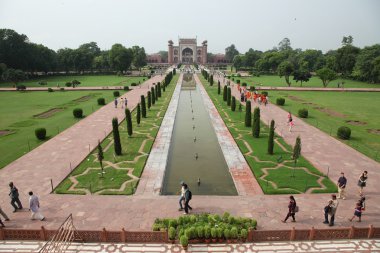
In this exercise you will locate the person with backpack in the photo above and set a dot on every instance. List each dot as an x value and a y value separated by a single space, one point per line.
14 197
292 207
188 195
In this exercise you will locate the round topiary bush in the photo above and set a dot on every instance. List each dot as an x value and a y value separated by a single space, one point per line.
50 90
126 87
265 93
40 133
78 113
101 101
344 133
68 84
280 101
303 113
116 94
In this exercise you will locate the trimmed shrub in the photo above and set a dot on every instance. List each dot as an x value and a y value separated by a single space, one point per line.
42 83
149 100
159 89
244 233
252 88
143 107
40 133
184 241
116 93
218 87
200 232
344 133
126 87
256 123
280 101
248 114
78 113
50 90
244 84
234 233
207 230
62 89
227 233
101 101
68 84
116 136
271 138
265 93
219 233
213 233
303 113
138 114
20 87
75 83
228 96
128 120
233 104
225 93
238 81
133 84
153 94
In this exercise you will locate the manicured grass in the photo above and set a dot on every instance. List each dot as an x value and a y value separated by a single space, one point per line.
17 111
335 109
86 80
276 81
131 160
278 180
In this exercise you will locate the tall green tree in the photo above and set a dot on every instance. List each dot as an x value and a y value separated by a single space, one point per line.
256 123
100 157
139 57
367 64
237 62
138 114
248 114
302 75
225 93
159 89
297 150
271 138
153 94
120 57
143 107
326 75
149 100
13 75
285 69
211 80
218 87
233 104
128 120
230 53
156 92
116 136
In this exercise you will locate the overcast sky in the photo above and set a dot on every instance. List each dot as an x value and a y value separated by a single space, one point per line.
260 25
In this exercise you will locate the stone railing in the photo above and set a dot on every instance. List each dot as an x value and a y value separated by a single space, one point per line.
162 237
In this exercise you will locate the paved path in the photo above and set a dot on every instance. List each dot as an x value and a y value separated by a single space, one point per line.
346 246
80 88
317 89
51 161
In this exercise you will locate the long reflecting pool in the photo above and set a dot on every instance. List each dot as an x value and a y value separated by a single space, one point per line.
195 156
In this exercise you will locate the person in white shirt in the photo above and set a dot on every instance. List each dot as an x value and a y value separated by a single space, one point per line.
34 206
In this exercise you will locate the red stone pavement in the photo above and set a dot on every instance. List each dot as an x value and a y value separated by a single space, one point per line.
51 161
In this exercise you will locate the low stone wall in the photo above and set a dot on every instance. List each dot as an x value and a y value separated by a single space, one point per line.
162 237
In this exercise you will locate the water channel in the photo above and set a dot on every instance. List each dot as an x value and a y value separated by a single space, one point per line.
195 156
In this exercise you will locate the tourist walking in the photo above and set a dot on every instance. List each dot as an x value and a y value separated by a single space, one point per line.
1 223
182 196
362 182
122 103
357 212
34 206
292 209
290 122
126 102
330 209
14 197
187 198
4 214
115 101
342 181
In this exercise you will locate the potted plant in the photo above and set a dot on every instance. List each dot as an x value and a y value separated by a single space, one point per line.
219 234
200 233
213 235
244 234
234 234
207 231
172 234
227 235
184 242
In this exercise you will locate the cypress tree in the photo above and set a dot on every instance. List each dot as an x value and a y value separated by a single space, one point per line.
256 123
159 89
218 87
248 116
143 107
297 150
128 119
233 104
153 94
149 100
116 136
211 80
163 86
225 93
138 114
100 156
174 72
271 138
156 92
228 96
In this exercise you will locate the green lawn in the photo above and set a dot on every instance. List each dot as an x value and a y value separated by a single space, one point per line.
276 81
330 110
275 173
122 172
18 110
86 80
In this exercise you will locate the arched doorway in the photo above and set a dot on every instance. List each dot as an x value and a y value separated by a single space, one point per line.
187 55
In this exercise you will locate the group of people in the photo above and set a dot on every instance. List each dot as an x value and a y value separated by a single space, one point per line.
123 102
185 198
332 205
252 95
34 205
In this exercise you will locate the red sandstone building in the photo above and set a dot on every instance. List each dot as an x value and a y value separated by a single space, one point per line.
187 52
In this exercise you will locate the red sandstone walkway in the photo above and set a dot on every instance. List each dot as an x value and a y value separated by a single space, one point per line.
51 161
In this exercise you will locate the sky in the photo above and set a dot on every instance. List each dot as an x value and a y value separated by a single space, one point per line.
261 25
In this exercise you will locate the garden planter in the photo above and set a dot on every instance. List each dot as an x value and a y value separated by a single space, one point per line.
214 240
207 240
220 240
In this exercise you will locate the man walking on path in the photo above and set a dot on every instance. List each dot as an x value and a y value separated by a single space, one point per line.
342 181
330 209
126 103
34 206
115 101
122 103
14 197
4 214
188 196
